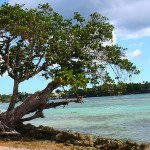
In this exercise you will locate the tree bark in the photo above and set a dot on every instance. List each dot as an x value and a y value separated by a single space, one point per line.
36 103
14 115
14 96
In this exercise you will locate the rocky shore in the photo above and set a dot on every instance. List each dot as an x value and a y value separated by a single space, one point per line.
29 132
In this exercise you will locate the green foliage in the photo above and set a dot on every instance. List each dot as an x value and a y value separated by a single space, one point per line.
4 98
70 51
112 89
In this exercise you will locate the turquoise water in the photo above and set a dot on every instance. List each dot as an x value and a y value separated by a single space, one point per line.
122 117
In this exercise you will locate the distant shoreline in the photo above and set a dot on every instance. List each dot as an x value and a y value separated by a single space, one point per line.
84 97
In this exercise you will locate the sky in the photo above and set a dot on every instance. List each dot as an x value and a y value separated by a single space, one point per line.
131 20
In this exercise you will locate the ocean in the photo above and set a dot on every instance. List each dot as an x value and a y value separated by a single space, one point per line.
124 117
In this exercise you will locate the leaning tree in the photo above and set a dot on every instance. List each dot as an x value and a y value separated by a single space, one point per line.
69 52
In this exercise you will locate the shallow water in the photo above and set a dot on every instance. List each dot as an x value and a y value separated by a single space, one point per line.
122 117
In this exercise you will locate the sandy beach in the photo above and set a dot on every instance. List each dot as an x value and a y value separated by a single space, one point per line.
39 145
12 148
42 146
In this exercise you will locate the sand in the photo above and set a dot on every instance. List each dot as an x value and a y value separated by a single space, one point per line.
38 145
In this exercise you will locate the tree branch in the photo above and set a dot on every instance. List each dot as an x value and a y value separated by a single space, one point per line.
43 106
33 102
14 96
64 103
34 72
38 114
7 54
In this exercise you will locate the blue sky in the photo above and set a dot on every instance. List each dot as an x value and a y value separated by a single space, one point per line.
132 30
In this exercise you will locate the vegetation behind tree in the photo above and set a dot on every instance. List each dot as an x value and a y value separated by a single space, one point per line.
97 91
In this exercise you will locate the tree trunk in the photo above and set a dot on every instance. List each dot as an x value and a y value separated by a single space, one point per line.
36 100
35 104
14 96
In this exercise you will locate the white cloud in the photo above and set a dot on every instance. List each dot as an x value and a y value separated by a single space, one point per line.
113 41
134 54
130 18
135 35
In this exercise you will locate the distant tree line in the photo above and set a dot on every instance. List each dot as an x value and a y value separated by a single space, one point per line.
115 89
5 98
